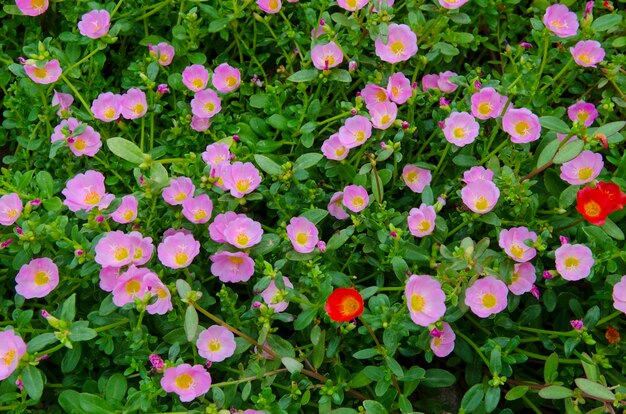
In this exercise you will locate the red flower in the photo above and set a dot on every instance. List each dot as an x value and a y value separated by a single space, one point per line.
595 204
344 304
614 194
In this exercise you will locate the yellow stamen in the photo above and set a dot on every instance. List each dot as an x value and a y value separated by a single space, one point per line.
184 381
418 303
489 300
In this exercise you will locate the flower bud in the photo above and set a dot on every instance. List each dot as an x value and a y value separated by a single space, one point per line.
352 66
577 324
157 362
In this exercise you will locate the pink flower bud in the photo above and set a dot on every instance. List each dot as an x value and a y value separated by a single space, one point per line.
99 219
436 333
142 181
322 22
577 324
162 89
21 60
296 51
563 240
42 358
35 202
256 304
353 111
352 66
405 125
236 138
477 85
208 364
441 124
535 292
19 230
321 245
6 243
78 252
45 314
414 85
157 362
547 274
393 234
19 384
525 45
441 200
443 102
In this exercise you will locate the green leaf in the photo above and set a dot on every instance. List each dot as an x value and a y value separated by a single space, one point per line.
569 151
125 150
315 215
116 388
339 239
306 161
400 267
158 173
594 389
606 22
377 187
550 369
45 183
219 24
304 75
259 100
267 165
609 129
278 121
374 407
472 398
340 75
183 288
94 404
612 230
460 18
281 346
153 70
438 378
268 242
554 124
516 393
79 331
495 361
492 398
191 323
32 378
69 401
292 365
40 341
366 353
568 196
555 392
68 310
548 153
305 318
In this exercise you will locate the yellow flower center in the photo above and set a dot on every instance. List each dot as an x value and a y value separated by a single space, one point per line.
197 83
330 59
558 24
41 278
109 113
272 5
395 90
515 277
397 47
302 238
214 345
571 263
128 215
522 128
38 4
484 108
381 96
489 300
180 196
184 381
584 57
384 119
481 203
235 260
592 209
161 293
181 258
231 81
199 214
349 306
358 201
582 115
138 253
418 303
458 132
412 176
585 173
164 57
11 213
359 136
92 198
121 253
242 239
351 3
423 226
209 106
8 357
40 73
340 151
138 108
80 144
517 251
242 185
133 287
437 342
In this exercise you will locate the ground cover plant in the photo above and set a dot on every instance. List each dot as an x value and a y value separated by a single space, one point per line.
332 206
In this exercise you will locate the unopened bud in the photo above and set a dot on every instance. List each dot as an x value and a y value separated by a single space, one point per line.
577 324
321 245
157 362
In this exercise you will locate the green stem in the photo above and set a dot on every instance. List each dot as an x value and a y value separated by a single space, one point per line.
143 132
139 320
172 160
86 58
476 348
248 379
117 6
78 95
441 160
50 350
543 62
558 75
531 405
334 118
548 332
112 325
543 358
608 318
495 151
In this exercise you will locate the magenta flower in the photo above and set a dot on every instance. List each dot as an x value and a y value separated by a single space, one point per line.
178 251
163 303
64 101
10 208
425 299
302 234
226 78
133 104
430 82
243 232
355 198
383 114
461 129
399 88
46 74
178 191
127 211
206 104
422 220
164 53
275 298
619 297
444 84
95 24
12 349
442 345
522 125
86 191
114 249
37 278
355 131
269 6
401 44
216 153
583 112
560 21
232 267
242 179
199 124
373 94
352 5
583 169
195 77
186 381
487 103
523 278
416 178
486 296
335 206
87 143
334 149
198 209
109 276
130 285
107 107
452 4
32 8
477 173
513 243
480 196
326 56
216 343
142 248
573 261
587 53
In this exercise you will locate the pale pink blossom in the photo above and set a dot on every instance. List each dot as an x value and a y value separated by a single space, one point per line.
477 173
63 100
416 178
512 241
232 267
383 114
206 104
302 234
401 44
86 143
486 296
355 198
107 107
444 83
583 112
86 191
156 287
109 277
216 343
334 149
560 20
219 224
243 232
269 6
178 191
523 278
487 103
425 299
583 169
355 131
164 53
326 56
461 129
32 8
421 220
10 208
133 104
242 179
619 296
399 88
480 196
373 94
574 261
335 207
127 211
115 249
37 278
44 74
198 209
142 248
442 345
452 4
195 77
178 251
95 24
216 153
430 82
522 125
12 349
274 297
352 5
226 78
587 53
186 381
200 124
130 285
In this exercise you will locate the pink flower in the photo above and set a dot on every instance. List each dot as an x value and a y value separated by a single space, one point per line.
221 221
573 261
583 169
443 344
560 21
206 104
216 153
95 24
513 243
522 125
383 114
178 191
382 5
401 44
46 74
178 251
422 220
12 349
10 208
114 249
355 198
87 143
63 100
186 381
416 178
373 94
444 84
226 78
109 276
523 278
232 267
157 362
86 191
269 6
243 232
195 77
127 211
452 4
355 131
399 88
334 149
198 209
142 248
326 56
133 104
477 173
242 179
461 129
486 296
352 5
164 53
200 124
37 278
107 107
130 285
216 343
31 8
335 206
587 53
583 112
163 303
302 234
430 82
480 196
425 299
274 298
619 297
487 103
